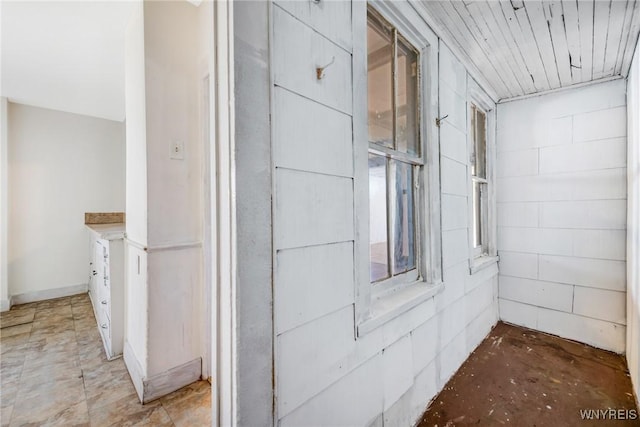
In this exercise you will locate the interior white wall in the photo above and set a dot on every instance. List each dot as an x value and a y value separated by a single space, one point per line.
136 286
387 376
165 100
562 213
633 222
4 210
61 165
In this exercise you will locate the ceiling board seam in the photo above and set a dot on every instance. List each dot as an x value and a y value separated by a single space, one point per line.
526 11
524 57
630 44
445 36
561 89
483 50
515 54
625 29
515 77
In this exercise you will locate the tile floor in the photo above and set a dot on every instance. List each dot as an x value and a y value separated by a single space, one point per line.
54 373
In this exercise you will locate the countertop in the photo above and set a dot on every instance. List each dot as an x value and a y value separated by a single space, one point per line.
108 231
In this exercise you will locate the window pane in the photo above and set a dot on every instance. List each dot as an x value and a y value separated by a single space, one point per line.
404 218
378 247
477 214
380 83
407 128
480 144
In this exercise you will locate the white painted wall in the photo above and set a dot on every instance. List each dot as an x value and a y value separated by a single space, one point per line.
61 165
164 303
562 213
4 209
323 374
136 286
633 222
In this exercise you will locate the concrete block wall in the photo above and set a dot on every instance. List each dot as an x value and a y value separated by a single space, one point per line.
561 193
324 374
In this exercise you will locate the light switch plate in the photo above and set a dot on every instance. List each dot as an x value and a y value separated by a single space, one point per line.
177 150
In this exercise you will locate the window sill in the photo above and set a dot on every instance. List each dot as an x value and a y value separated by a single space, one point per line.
393 304
482 262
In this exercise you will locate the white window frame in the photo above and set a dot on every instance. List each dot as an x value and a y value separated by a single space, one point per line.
376 304
486 255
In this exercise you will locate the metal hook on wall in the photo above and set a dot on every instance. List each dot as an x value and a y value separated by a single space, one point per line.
441 119
320 70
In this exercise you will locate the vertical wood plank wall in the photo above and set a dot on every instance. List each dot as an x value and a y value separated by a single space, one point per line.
562 213
323 373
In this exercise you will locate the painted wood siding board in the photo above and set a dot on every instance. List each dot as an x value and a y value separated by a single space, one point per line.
498 64
330 18
312 282
468 44
585 22
572 32
495 17
312 209
555 21
298 50
614 36
600 29
526 43
540 28
302 139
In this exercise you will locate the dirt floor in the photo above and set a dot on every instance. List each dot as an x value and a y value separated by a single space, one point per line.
521 377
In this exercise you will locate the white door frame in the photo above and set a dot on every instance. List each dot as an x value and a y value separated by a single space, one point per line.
223 235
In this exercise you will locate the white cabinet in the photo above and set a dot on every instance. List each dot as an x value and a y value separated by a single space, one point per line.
106 284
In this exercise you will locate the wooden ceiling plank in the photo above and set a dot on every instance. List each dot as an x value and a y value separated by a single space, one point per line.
540 28
447 38
614 37
628 33
555 22
585 24
600 30
499 64
525 43
494 39
572 31
499 23
471 46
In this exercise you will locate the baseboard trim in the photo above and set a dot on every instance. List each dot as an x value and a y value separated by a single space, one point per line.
171 380
149 389
5 304
134 368
48 294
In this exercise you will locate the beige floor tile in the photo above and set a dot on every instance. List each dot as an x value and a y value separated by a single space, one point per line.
39 401
12 331
8 393
190 406
50 303
5 415
128 411
16 317
55 373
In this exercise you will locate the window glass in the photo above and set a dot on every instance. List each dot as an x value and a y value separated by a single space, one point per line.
393 88
380 83
407 128
404 219
378 246
480 138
